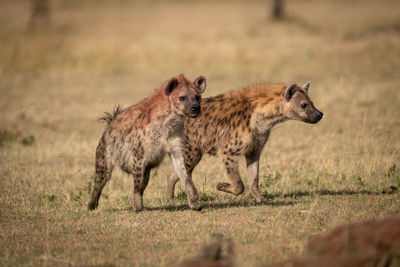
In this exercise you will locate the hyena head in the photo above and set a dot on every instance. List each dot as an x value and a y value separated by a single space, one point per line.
185 96
298 105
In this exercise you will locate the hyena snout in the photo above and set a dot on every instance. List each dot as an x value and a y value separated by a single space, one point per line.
196 108
320 115
317 116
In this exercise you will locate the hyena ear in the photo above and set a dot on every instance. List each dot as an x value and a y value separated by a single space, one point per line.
306 86
170 85
290 90
200 83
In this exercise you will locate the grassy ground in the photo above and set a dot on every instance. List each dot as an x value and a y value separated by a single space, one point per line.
55 83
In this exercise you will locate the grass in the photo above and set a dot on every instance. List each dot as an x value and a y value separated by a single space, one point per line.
56 82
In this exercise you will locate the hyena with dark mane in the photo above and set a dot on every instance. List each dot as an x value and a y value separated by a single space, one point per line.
237 124
137 138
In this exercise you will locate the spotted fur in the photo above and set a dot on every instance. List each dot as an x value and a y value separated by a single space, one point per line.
137 138
238 124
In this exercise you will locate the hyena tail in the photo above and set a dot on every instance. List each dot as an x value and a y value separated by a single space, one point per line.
104 169
109 117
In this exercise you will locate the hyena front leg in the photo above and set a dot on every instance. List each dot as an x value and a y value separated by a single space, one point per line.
103 173
232 169
192 158
186 179
253 161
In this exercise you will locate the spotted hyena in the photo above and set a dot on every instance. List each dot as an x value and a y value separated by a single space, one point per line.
137 138
237 124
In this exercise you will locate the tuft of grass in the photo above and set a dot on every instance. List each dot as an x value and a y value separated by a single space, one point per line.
271 178
28 140
7 136
14 136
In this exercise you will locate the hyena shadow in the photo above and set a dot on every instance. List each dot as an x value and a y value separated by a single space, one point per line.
279 199
271 200
215 205
326 192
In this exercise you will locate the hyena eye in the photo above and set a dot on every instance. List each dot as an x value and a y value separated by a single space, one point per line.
182 98
303 105
197 98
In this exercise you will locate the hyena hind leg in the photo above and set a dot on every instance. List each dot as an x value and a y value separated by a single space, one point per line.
232 169
103 173
253 162
172 180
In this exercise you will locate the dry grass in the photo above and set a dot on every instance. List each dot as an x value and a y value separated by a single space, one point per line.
55 83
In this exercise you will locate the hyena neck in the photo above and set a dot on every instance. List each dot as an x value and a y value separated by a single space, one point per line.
262 125
167 129
266 114
174 133
174 123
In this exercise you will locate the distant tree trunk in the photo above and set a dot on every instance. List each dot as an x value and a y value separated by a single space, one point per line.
277 9
40 13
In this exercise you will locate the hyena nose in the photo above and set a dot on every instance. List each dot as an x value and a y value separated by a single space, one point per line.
320 114
195 108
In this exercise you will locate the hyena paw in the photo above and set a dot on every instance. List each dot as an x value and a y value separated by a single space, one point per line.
171 199
260 199
196 206
92 205
137 209
223 186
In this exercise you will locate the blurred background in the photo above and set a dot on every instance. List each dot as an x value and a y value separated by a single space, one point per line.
88 55
65 62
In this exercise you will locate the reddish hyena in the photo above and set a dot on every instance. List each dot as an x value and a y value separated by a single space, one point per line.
237 124
137 138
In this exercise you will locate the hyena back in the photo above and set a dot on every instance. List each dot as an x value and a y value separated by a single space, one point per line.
137 138
237 124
